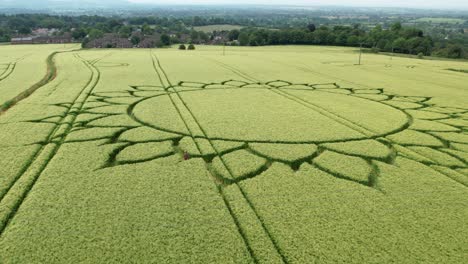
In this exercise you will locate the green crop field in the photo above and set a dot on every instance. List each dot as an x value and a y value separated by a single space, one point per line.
211 28
440 20
264 155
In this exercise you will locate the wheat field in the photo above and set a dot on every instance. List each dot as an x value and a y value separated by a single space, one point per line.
264 155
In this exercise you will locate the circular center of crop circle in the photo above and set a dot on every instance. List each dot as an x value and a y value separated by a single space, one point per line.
263 115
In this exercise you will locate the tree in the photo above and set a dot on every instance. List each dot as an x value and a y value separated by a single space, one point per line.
455 51
197 21
375 35
125 31
85 43
274 37
399 44
233 34
182 47
311 27
114 24
165 40
425 46
297 37
191 47
396 26
244 38
135 40
4 35
95 34
321 35
24 30
79 33
194 36
382 44
353 40
203 36
51 22
342 39
256 39
147 30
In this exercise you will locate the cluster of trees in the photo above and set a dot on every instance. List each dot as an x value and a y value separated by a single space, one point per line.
396 38
190 47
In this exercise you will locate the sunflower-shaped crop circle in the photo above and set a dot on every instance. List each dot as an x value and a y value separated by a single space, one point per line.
241 128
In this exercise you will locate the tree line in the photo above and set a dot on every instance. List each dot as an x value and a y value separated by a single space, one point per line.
399 39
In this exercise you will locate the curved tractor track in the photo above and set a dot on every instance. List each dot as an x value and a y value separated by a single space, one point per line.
48 77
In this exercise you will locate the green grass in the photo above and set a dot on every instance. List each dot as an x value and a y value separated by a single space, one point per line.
287 154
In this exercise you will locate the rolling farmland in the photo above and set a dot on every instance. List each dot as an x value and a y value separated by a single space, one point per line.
265 155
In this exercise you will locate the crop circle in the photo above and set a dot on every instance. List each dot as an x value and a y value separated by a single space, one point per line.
264 115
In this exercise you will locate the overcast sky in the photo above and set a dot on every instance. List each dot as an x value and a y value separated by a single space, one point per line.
371 3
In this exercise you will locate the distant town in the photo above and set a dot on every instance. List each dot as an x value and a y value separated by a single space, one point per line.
413 32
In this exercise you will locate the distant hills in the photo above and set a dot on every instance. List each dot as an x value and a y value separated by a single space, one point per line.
62 4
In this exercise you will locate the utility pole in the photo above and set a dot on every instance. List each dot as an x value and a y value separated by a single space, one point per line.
360 53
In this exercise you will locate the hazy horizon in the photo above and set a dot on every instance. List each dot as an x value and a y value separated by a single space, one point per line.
421 4
424 4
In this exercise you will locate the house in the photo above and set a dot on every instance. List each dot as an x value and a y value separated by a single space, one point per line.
150 42
110 40
218 40
65 38
44 31
21 40
34 39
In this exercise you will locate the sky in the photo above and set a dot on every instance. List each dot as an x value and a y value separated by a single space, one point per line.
421 4
426 4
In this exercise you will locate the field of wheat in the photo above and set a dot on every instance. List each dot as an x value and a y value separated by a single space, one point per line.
263 155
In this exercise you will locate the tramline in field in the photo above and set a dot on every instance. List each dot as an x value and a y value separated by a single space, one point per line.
275 155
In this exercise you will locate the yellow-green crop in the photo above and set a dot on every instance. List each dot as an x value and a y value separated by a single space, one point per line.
264 155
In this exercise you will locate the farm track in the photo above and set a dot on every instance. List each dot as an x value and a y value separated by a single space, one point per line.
8 71
23 183
50 76
11 68
168 85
